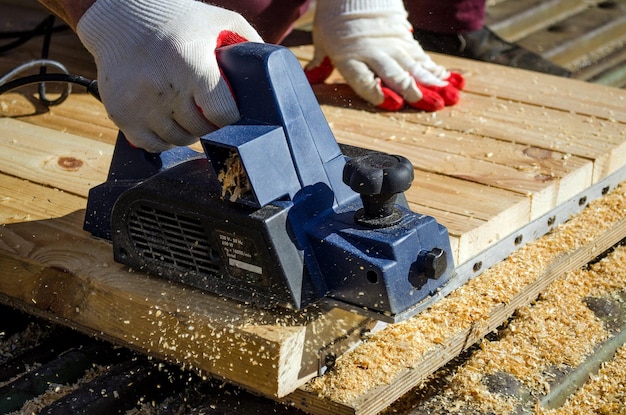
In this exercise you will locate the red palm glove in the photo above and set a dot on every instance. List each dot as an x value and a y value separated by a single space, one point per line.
370 42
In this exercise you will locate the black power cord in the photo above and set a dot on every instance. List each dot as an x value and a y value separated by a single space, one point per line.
46 28
22 36
89 84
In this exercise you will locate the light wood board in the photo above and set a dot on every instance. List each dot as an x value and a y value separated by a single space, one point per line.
516 146
370 378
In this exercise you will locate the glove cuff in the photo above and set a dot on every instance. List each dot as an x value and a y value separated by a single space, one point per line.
107 22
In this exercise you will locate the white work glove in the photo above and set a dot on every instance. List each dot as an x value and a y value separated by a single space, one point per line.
370 42
157 70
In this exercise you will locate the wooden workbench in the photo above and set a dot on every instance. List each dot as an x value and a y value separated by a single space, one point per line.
517 146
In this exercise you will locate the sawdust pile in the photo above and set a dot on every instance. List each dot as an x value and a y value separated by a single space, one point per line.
56 392
604 394
551 336
409 345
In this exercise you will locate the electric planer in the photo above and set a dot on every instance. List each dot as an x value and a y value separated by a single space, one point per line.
273 212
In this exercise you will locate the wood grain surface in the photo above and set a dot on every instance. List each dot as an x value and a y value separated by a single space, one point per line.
516 146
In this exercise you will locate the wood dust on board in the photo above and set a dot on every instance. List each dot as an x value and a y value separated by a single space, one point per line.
543 341
55 392
603 394
386 354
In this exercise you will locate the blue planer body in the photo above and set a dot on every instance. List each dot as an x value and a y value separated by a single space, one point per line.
274 212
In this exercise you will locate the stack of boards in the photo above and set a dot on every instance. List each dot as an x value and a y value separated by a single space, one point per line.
516 149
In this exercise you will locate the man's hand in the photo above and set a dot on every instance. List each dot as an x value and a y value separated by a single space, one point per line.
157 70
370 42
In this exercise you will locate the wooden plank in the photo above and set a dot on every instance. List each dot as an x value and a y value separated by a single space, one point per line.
476 215
514 20
564 94
65 161
504 84
549 176
535 133
596 31
81 114
371 377
610 70
566 24
23 201
54 269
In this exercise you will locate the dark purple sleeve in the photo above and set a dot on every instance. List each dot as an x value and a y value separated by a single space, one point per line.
273 19
446 16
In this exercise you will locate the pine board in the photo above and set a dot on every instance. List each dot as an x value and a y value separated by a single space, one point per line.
529 141
53 268
517 145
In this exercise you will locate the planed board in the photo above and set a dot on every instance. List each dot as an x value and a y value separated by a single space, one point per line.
64 161
50 267
517 145
53 268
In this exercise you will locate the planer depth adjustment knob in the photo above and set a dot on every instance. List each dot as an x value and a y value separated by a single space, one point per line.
378 178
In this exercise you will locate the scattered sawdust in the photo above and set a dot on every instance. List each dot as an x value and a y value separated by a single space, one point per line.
56 392
21 341
556 331
603 394
387 354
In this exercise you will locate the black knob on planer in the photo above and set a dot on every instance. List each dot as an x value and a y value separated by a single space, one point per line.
378 178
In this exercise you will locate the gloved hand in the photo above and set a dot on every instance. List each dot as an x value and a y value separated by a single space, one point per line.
157 70
370 42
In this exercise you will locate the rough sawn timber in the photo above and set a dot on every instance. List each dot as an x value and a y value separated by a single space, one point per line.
517 144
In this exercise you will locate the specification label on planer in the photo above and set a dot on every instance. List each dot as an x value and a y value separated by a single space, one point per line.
241 255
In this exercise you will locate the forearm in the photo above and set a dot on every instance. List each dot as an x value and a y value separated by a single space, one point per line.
69 10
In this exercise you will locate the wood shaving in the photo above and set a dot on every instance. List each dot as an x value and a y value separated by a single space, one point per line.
21 341
233 178
386 354
604 394
556 331
56 392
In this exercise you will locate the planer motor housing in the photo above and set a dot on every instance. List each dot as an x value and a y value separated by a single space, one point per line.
274 212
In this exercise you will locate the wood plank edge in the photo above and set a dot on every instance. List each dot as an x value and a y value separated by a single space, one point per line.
381 397
259 367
